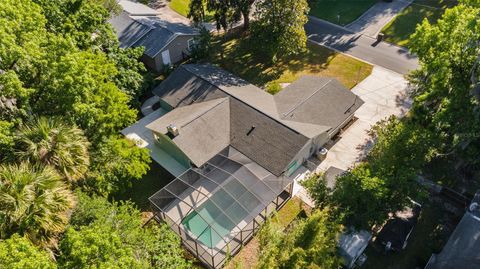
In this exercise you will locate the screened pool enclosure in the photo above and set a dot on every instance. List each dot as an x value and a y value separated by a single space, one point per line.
217 208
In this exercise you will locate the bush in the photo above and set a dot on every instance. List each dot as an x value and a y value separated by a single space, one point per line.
273 87
19 253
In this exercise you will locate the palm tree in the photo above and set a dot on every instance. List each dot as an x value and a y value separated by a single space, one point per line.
34 201
49 141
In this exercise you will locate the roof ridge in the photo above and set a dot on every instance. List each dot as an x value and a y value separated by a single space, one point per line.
206 111
249 105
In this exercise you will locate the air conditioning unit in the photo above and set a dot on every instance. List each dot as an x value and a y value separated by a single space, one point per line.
322 154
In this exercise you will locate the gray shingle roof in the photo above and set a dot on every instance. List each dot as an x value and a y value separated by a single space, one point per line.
204 128
150 32
269 143
137 9
463 247
317 100
257 129
129 31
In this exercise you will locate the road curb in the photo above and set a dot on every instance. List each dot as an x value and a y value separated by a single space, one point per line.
331 23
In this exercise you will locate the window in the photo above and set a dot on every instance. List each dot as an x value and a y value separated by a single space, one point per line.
191 44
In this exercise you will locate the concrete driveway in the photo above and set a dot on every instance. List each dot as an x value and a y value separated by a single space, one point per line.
374 19
384 93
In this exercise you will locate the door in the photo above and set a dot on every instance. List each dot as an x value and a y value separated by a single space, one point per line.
166 57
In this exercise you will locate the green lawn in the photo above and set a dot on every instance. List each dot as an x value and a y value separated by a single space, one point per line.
142 189
428 236
341 12
400 29
180 6
236 55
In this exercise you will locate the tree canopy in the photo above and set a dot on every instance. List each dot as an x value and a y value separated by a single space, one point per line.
106 235
48 141
19 253
280 25
309 243
447 82
225 12
34 202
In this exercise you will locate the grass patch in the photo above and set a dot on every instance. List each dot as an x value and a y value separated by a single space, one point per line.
340 12
428 236
400 29
236 55
182 7
156 178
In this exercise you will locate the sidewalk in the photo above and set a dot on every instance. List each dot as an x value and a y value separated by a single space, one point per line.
374 19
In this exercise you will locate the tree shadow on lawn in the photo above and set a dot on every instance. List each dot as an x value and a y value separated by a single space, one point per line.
239 54
156 178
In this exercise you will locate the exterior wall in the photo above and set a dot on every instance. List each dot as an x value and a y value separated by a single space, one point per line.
166 144
178 49
333 132
165 105
306 152
149 62
301 156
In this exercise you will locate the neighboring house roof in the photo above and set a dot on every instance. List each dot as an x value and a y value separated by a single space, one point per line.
162 33
256 128
136 27
352 244
204 128
317 100
398 229
129 31
463 247
137 9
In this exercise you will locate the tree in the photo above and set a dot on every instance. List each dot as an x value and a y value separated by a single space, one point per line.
105 235
6 140
49 141
203 45
116 162
310 243
316 186
279 27
19 253
386 181
446 84
361 197
79 86
226 12
34 202
72 79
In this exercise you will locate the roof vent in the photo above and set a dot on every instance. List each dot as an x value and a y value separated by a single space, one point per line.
172 130
251 130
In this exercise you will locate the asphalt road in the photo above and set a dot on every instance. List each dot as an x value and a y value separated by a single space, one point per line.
363 47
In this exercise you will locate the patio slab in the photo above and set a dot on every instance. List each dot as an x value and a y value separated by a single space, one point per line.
143 137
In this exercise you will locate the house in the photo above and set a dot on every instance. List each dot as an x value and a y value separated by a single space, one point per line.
234 150
463 247
165 43
352 245
396 232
